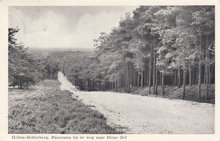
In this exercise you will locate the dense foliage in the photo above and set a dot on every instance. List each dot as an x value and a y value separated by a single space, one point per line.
24 69
154 46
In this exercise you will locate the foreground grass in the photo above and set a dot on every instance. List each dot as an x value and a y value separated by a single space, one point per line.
46 109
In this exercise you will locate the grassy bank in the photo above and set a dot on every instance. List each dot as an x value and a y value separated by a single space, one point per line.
46 109
177 93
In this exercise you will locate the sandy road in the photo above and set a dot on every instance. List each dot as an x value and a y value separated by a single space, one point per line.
142 114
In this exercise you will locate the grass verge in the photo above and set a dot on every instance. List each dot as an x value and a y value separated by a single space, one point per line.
48 110
177 93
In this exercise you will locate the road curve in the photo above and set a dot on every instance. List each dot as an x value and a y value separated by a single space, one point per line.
142 114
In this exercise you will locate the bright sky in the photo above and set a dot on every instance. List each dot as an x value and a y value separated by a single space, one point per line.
64 27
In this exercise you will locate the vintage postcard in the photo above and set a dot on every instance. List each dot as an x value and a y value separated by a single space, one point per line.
125 70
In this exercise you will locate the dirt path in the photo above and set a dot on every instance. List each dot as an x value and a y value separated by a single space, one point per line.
141 114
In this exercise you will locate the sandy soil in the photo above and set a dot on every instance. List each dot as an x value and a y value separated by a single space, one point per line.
142 114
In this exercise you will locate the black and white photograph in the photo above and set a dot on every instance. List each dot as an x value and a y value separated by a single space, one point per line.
132 69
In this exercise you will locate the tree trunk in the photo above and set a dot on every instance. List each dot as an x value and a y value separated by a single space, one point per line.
179 77
111 85
207 81
134 78
142 78
138 79
150 71
204 73
154 72
193 76
210 71
146 78
199 80
211 74
93 85
116 85
125 82
156 82
174 80
184 83
162 81
190 76
200 69
207 70
128 80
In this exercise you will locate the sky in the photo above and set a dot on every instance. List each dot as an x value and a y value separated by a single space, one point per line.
64 27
